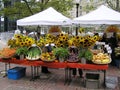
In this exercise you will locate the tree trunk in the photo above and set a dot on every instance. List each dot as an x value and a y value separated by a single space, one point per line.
6 21
117 5
0 24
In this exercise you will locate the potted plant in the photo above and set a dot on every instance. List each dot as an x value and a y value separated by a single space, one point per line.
21 52
61 53
85 55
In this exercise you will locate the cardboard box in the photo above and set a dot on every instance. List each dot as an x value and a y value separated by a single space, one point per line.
16 73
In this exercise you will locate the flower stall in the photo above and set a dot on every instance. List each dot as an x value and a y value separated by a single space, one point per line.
62 41
36 53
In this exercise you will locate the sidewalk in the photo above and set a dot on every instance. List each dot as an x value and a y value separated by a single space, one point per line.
54 82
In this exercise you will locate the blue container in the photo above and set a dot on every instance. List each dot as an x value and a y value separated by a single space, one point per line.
16 73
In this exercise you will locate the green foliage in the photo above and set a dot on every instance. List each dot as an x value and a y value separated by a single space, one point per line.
33 52
19 10
61 52
114 4
62 5
87 54
22 50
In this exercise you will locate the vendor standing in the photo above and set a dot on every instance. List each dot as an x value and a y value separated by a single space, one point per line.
117 55
48 48
113 43
73 57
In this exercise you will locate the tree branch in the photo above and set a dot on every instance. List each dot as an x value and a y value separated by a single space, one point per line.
47 1
28 6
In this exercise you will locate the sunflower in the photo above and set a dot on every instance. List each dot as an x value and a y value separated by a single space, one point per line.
95 37
77 37
40 44
26 39
29 42
22 44
81 39
17 42
19 36
81 30
61 34
57 44
64 38
70 42
61 45
11 43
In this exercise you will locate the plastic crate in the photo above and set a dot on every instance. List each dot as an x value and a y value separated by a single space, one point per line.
92 80
16 73
111 82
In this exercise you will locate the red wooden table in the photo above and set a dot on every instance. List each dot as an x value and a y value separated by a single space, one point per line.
35 64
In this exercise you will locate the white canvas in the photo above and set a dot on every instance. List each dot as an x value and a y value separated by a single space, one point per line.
47 17
102 15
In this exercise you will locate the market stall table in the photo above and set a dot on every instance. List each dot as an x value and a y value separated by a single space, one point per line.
35 64
98 67
34 68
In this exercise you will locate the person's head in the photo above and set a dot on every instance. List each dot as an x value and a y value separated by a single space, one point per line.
104 35
96 34
73 50
114 34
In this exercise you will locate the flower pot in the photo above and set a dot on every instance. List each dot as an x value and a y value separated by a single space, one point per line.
22 57
89 62
61 59
83 60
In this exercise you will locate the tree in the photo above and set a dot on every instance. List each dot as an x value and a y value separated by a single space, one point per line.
0 15
22 9
114 4
90 5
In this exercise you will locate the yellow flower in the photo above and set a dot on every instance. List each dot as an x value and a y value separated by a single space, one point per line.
19 36
61 34
64 38
70 42
61 45
81 39
81 30
17 42
22 44
95 38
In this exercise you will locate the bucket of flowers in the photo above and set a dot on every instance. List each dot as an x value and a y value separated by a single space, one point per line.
21 43
61 53
22 52
84 42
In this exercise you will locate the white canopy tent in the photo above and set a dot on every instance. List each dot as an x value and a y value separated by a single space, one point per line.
47 17
102 15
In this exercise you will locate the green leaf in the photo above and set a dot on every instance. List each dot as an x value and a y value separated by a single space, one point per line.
61 52
22 50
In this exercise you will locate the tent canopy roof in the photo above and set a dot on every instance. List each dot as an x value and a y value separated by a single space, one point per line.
102 15
47 17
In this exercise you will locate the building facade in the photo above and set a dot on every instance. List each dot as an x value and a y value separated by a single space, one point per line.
85 6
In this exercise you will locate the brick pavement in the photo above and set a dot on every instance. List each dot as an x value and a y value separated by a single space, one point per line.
54 82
